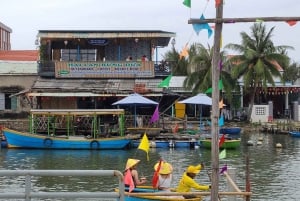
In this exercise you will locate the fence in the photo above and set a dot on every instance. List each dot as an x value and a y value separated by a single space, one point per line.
28 194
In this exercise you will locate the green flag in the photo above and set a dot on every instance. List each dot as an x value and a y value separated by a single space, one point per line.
165 82
220 86
187 3
222 154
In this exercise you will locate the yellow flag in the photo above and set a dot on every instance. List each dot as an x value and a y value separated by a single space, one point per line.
144 145
221 104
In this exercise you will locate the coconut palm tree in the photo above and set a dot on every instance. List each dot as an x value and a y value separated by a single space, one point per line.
199 77
179 65
258 60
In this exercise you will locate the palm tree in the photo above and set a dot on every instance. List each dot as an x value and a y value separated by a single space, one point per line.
199 71
258 60
179 65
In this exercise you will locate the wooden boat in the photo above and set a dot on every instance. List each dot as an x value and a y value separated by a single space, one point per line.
230 130
71 129
295 133
168 143
147 193
228 144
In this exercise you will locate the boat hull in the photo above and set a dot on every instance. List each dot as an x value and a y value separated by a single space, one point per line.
16 139
168 143
228 144
295 133
230 130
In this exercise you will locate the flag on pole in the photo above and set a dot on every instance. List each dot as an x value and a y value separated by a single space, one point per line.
198 27
187 3
128 180
222 154
222 140
156 175
223 169
165 82
144 145
155 116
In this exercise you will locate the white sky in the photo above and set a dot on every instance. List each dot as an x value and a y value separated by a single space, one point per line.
27 17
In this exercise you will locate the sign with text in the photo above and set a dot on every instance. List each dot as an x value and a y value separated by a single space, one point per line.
114 69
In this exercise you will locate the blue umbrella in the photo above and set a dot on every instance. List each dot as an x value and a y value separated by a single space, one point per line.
135 99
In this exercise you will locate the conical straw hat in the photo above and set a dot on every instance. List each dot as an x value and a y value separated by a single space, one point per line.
131 162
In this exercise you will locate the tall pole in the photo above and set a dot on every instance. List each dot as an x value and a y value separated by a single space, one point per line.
215 103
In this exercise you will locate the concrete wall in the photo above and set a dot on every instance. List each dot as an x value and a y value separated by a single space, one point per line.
261 113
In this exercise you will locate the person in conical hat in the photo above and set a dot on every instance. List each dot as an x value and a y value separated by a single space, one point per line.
187 181
131 169
164 170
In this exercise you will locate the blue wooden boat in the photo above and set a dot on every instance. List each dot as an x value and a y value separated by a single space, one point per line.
295 133
230 130
168 143
69 129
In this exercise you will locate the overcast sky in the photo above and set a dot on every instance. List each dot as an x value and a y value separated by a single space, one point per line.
27 17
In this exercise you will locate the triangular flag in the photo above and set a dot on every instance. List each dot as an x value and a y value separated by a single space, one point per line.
187 3
223 169
291 22
220 86
165 82
199 27
259 20
221 104
221 121
144 145
155 116
128 180
222 154
222 140
156 175
184 52
218 2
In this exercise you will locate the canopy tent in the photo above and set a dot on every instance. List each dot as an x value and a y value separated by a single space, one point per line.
136 100
200 99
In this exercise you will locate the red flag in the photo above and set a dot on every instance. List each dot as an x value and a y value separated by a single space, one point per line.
222 140
291 22
128 180
218 2
156 175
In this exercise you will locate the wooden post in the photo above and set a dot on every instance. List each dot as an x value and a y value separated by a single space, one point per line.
215 103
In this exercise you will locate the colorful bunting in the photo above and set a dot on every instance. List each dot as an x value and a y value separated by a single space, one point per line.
165 82
222 154
184 52
291 22
223 169
144 145
155 116
221 121
128 180
199 27
218 3
222 140
187 3
220 86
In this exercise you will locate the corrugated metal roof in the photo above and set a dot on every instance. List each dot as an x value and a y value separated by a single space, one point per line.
96 85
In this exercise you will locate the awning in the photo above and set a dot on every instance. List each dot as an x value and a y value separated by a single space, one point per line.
78 94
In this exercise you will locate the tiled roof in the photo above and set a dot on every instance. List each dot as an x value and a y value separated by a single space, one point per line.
19 55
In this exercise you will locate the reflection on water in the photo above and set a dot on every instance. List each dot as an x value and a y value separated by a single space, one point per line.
273 172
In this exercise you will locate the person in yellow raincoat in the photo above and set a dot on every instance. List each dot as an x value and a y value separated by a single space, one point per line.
187 182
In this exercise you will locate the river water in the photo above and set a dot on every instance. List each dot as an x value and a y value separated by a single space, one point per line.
274 172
